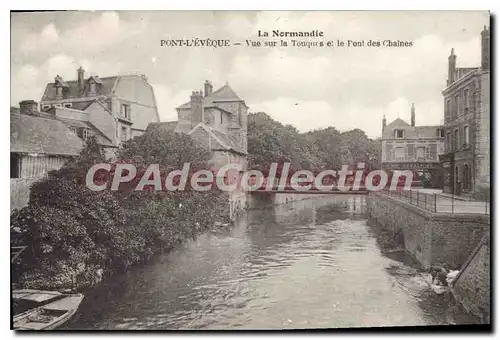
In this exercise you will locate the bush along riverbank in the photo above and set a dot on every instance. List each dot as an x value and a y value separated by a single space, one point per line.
76 236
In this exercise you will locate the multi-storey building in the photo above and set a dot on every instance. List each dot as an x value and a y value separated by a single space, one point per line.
409 147
218 120
466 161
114 109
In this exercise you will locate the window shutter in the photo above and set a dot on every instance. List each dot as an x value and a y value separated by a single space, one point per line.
433 151
461 137
410 151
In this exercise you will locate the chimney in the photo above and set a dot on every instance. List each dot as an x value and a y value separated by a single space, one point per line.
81 78
384 122
208 88
412 114
59 90
196 108
485 49
452 60
28 107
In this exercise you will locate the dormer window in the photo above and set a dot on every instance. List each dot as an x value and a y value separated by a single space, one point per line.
68 105
85 134
125 111
92 87
399 133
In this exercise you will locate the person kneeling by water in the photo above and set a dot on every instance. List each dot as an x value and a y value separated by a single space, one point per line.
440 274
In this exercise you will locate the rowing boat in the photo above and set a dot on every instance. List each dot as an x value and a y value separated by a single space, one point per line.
43 310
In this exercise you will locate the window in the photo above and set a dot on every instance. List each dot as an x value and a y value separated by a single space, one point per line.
466 135
420 153
428 153
448 109
45 107
125 111
448 141
399 154
124 133
221 119
399 133
68 105
466 100
85 134
15 165
440 133
457 141
457 105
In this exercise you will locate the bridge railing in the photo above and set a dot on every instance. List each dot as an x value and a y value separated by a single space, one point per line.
440 203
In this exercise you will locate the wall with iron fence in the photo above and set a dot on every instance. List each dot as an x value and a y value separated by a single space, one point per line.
433 238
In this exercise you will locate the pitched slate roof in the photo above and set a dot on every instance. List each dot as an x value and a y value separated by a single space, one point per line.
170 126
75 123
398 122
224 140
106 87
424 131
224 94
41 135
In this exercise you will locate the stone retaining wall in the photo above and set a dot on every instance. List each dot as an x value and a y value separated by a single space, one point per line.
472 285
432 238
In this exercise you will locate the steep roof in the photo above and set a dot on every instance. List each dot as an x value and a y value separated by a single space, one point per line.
224 94
398 122
72 90
76 123
224 140
41 135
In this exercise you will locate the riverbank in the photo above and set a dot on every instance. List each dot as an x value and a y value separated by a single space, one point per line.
128 234
449 241
313 263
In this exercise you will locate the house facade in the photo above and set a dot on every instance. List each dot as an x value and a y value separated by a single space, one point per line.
410 147
39 143
467 125
114 109
218 120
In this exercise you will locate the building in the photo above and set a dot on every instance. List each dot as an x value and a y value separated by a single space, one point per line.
114 109
466 161
410 147
218 120
39 143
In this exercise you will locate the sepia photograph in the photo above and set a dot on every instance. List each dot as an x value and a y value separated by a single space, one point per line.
250 170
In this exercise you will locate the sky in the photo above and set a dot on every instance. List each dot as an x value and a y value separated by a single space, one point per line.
310 88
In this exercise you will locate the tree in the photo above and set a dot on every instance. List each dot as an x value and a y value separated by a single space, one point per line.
270 141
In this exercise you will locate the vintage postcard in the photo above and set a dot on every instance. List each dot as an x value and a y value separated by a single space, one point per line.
250 170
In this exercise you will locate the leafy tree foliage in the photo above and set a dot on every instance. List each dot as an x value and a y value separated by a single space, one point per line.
74 232
270 141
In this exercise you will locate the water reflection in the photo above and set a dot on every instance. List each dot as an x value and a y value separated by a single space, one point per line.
314 263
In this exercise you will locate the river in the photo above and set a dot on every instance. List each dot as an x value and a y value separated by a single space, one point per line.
314 263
